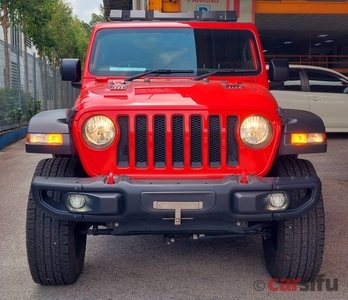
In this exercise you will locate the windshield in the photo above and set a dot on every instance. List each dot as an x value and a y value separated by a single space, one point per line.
126 52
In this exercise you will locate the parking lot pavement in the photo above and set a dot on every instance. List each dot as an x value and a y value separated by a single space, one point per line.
145 267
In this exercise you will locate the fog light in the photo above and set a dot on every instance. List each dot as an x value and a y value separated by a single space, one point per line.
77 201
277 200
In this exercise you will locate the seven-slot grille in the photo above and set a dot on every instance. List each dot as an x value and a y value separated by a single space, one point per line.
168 138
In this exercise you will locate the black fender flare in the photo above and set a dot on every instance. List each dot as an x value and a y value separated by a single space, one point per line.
52 121
300 121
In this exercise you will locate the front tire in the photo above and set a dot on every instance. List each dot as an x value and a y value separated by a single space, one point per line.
295 250
55 248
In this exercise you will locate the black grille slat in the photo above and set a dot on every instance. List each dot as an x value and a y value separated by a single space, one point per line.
141 142
211 134
178 141
123 144
214 142
232 145
196 141
159 131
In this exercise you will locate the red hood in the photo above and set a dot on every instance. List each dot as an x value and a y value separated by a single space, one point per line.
162 94
175 97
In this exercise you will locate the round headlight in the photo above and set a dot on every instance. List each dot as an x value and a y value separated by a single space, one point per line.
99 132
256 132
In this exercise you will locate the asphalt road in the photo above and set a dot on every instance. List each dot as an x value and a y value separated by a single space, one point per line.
147 268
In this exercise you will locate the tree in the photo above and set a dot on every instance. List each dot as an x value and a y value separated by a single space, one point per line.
96 19
53 30
8 10
32 17
36 18
51 26
75 43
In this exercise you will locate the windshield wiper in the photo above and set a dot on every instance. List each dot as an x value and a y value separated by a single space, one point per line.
222 71
158 71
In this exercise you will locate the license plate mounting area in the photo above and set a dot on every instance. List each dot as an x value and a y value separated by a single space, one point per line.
177 207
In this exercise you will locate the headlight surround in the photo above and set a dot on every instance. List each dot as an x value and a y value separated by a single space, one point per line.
256 132
99 132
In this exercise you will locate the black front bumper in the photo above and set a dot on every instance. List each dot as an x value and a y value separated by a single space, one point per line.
154 206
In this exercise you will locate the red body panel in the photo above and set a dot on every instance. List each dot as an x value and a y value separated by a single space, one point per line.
176 96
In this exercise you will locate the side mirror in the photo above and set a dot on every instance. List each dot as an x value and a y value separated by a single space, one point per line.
71 71
278 70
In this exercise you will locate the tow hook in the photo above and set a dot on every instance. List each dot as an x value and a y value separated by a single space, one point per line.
244 179
111 179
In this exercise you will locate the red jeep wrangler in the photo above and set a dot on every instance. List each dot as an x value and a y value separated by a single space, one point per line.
175 133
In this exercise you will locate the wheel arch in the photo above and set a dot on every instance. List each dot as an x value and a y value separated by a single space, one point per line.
300 121
52 121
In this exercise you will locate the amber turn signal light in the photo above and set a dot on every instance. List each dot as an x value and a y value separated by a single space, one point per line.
45 138
307 138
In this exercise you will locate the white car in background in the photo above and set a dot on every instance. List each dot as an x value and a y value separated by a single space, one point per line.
319 90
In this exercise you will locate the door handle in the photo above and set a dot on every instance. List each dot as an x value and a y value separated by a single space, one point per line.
315 98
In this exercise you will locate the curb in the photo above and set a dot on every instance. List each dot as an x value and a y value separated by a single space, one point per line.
12 136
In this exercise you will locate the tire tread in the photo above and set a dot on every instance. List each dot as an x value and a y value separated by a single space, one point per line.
50 242
300 241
